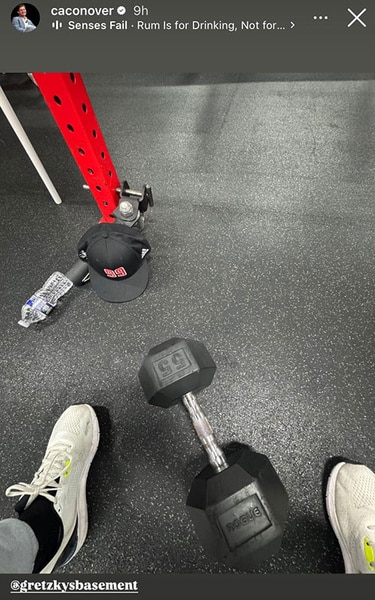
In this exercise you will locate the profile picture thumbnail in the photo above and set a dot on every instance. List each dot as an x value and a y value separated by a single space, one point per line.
25 18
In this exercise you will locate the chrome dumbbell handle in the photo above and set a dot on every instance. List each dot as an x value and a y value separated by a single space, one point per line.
205 433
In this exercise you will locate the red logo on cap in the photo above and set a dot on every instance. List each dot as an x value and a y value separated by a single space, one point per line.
119 272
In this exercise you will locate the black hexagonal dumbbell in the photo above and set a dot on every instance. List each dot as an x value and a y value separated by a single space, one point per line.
237 503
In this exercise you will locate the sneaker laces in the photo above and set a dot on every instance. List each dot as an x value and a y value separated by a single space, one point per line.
371 543
46 481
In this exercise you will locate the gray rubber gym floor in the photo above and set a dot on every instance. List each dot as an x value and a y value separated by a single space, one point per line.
262 238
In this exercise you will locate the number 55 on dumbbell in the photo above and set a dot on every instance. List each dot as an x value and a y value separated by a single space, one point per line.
237 503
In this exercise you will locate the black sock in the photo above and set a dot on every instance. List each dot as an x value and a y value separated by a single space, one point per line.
47 526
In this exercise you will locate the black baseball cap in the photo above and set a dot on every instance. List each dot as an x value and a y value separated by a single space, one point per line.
116 256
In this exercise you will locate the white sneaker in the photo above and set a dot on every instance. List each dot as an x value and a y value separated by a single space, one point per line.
54 503
350 501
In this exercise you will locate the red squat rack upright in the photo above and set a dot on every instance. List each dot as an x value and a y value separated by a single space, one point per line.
67 98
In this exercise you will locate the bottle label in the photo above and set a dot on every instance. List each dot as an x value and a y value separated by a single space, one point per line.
39 304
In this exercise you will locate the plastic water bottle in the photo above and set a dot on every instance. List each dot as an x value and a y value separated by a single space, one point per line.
45 299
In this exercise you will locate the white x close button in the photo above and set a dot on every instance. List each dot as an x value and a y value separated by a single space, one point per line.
356 17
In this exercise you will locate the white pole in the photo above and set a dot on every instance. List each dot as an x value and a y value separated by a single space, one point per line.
20 132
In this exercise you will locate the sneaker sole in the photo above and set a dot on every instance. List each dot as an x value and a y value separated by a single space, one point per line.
331 510
81 526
